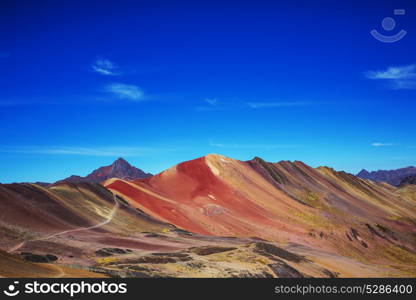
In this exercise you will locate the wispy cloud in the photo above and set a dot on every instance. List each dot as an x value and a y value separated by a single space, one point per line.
251 146
400 77
213 105
211 101
406 157
105 67
257 105
86 151
377 144
126 91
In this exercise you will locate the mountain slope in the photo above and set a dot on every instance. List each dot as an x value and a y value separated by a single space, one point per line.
408 180
82 230
315 211
393 177
118 169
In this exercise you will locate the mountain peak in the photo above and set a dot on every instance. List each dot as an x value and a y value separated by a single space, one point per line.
120 159
363 174
120 168
215 156
121 162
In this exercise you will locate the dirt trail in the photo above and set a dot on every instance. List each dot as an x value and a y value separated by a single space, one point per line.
109 218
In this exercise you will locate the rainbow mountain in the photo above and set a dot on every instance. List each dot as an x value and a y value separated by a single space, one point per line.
211 217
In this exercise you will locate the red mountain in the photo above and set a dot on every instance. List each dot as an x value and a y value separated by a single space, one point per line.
331 217
118 169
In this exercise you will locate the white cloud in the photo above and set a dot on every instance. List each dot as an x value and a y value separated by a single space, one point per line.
126 91
406 157
377 144
212 105
256 105
215 105
85 151
105 67
211 101
400 77
251 146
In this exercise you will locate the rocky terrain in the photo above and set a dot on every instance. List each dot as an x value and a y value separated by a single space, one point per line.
211 217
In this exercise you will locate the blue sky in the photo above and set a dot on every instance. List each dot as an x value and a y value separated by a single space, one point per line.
160 82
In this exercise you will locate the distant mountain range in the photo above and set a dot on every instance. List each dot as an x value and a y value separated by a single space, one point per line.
393 177
118 169
121 169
